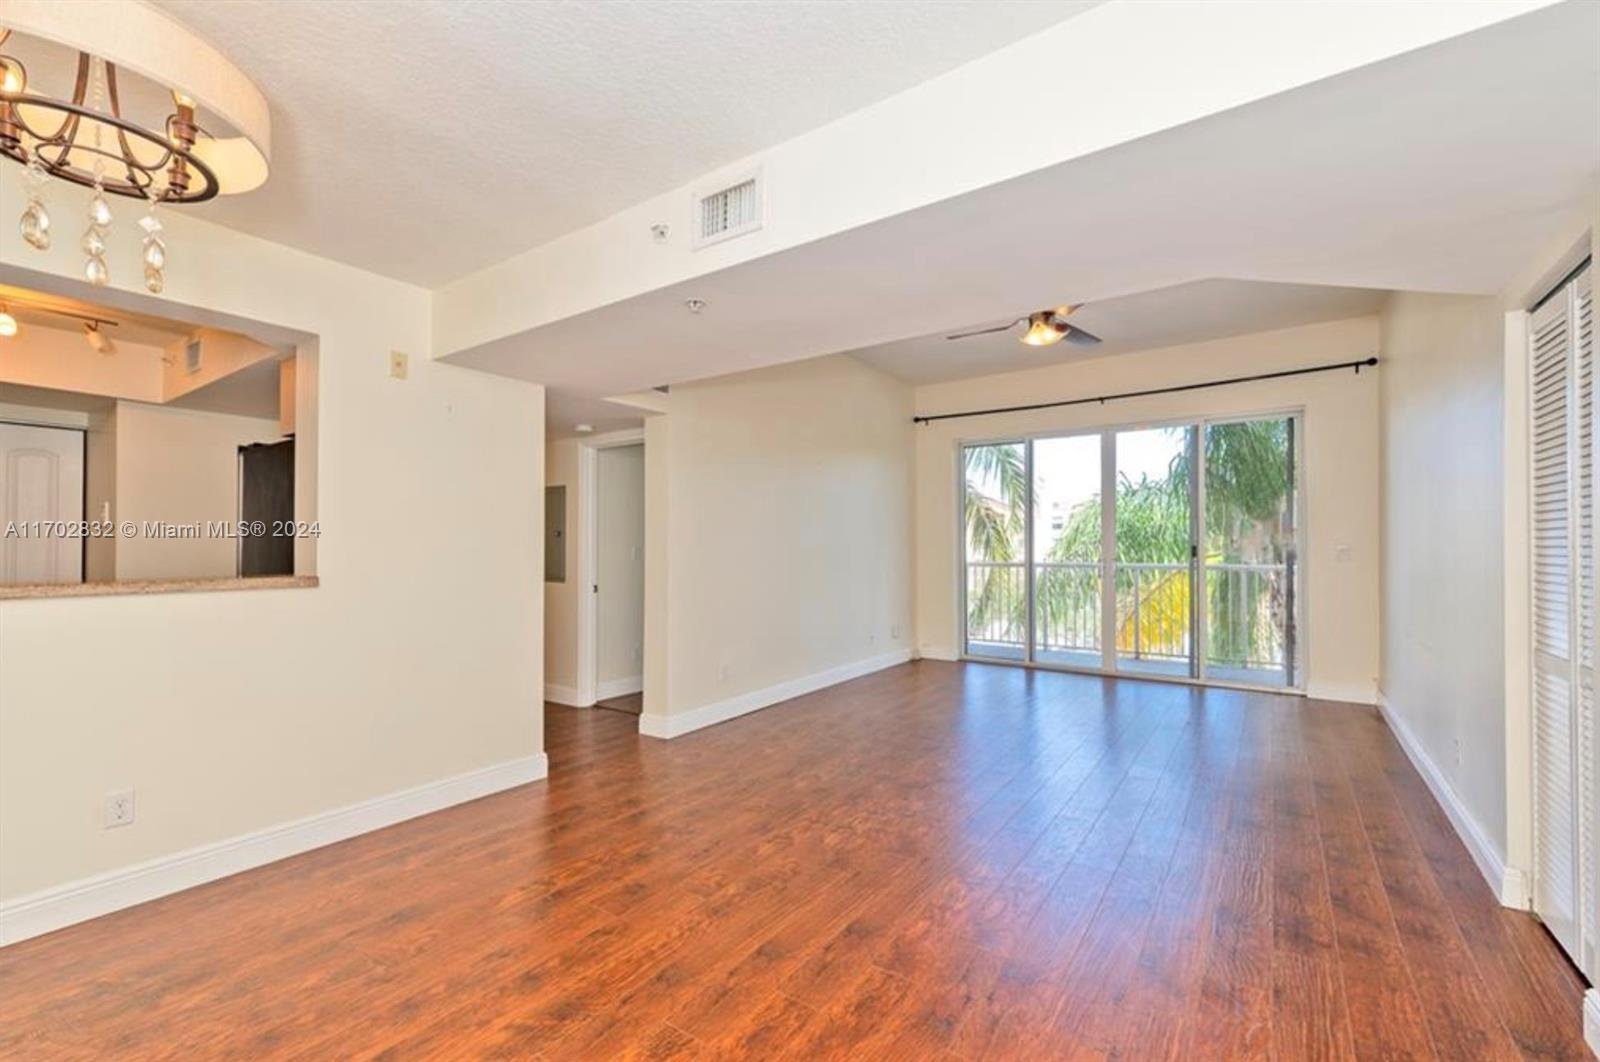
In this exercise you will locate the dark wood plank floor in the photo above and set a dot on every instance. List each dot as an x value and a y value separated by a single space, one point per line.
936 861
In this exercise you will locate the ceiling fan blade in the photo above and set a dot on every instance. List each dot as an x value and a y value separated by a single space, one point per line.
985 331
1078 337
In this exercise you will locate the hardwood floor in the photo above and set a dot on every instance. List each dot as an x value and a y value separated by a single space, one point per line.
631 703
937 861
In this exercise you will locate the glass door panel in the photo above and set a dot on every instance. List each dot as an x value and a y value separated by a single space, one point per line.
995 562
1067 530
1154 535
1250 556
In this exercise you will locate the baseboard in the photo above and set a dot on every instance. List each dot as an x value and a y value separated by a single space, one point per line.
1508 883
565 695
1591 1020
938 652
619 688
671 726
1343 692
79 901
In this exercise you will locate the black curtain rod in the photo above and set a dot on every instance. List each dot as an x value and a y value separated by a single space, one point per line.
1102 399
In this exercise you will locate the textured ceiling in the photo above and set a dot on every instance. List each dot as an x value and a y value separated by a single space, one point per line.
1186 313
428 138
1444 169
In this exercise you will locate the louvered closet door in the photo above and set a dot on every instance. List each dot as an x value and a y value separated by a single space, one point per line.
1585 799
1562 454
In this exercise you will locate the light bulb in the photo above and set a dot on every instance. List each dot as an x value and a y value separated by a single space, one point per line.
8 325
1042 331
13 80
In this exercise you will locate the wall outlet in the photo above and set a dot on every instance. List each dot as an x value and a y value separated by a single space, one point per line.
894 632
119 808
399 362
722 672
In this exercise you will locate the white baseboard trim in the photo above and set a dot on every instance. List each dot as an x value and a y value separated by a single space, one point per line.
1591 1020
565 695
938 652
1344 692
671 726
86 898
1508 883
619 688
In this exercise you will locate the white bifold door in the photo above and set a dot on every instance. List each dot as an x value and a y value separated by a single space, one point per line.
1562 445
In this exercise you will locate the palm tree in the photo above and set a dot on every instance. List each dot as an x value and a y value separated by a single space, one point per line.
997 492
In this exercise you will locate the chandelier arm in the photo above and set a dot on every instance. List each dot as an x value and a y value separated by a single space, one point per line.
122 134
57 163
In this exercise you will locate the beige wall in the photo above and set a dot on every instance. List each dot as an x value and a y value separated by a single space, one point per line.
1340 462
1442 399
179 466
417 660
619 566
787 497
61 359
561 599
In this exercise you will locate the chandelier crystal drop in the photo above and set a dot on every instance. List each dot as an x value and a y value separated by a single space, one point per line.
35 222
155 251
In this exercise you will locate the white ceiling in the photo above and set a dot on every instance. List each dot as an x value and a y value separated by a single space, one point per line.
429 138
250 392
1450 168
565 410
1187 313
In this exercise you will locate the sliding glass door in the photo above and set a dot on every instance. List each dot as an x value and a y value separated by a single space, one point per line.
1154 535
1251 555
995 525
1067 558
1166 551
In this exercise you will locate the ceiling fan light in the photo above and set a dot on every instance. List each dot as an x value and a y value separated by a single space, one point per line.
1042 331
8 324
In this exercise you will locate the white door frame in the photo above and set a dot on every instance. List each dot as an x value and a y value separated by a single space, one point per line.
588 542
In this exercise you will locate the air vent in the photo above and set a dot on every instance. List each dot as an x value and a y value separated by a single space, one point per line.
191 356
729 211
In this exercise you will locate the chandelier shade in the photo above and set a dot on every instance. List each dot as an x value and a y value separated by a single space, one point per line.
127 102
220 124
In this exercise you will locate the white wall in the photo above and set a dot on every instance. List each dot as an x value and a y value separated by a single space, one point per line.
1442 402
619 568
787 495
416 660
1340 462
179 466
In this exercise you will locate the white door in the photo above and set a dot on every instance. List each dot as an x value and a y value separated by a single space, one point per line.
41 501
1561 392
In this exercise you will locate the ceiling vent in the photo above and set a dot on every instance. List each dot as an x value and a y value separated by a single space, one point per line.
728 211
191 356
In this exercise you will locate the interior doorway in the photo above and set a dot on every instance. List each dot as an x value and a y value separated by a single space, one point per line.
611 650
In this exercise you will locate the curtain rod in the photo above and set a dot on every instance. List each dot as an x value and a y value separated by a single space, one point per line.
1102 399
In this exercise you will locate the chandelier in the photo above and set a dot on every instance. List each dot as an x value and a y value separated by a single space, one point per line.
70 118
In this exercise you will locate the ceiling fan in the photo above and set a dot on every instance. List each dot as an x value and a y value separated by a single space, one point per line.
1044 328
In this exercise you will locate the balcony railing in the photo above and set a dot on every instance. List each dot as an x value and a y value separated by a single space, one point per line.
1248 608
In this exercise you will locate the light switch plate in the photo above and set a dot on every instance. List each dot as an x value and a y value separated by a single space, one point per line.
398 362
